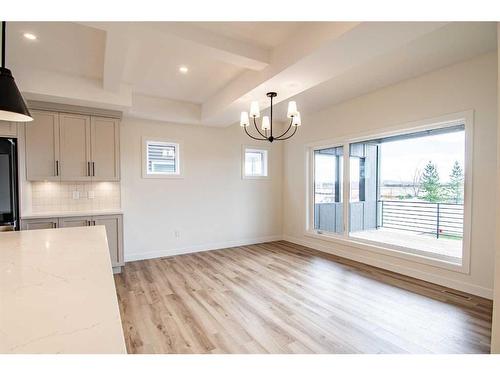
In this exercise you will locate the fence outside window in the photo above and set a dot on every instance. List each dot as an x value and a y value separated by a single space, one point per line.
439 219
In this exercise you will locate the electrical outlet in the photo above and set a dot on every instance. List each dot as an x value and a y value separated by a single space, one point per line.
76 194
91 194
177 234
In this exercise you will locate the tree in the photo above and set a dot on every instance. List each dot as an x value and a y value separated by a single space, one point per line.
455 187
417 182
430 183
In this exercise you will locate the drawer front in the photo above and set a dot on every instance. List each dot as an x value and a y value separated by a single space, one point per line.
112 223
79 221
45 223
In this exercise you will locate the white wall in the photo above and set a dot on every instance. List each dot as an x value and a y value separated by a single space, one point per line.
211 206
464 86
495 332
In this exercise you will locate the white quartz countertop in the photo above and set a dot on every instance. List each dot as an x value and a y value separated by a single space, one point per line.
57 293
39 215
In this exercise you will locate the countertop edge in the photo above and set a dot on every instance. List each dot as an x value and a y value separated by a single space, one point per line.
41 215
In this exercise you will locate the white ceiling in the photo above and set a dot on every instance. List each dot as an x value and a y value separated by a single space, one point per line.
134 66
152 68
264 34
450 44
65 47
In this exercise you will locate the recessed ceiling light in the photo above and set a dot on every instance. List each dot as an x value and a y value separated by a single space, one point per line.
183 69
30 36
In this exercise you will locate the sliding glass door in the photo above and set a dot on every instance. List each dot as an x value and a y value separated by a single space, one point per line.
328 195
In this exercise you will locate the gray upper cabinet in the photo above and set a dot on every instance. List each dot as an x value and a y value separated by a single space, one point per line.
72 147
105 153
42 141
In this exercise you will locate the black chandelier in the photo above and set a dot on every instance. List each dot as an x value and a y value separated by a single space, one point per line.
12 105
266 132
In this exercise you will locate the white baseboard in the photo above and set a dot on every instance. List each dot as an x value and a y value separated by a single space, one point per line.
418 274
198 248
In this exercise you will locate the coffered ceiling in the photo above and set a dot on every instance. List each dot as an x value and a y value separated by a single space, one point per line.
134 66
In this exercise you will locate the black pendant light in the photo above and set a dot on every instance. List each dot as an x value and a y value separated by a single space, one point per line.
12 105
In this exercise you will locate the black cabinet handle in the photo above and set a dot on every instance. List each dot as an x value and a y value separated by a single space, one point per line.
88 168
57 167
93 169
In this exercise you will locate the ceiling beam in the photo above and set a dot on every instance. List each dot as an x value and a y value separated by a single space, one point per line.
50 86
162 109
320 52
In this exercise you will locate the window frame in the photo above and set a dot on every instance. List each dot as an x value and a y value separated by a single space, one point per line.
267 156
178 157
466 118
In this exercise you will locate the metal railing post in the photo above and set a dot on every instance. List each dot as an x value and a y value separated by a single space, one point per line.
437 221
382 215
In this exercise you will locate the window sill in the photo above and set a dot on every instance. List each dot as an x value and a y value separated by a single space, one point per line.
388 250
162 176
264 178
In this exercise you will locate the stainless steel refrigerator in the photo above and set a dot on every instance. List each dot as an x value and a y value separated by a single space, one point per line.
9 197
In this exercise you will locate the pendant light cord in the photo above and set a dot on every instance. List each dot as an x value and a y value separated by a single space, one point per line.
3 44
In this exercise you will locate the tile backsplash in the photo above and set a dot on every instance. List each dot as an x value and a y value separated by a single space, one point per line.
75 196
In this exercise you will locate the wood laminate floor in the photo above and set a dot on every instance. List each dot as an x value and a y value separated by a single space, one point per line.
280 297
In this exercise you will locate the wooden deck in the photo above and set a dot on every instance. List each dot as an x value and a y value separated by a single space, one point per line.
426 243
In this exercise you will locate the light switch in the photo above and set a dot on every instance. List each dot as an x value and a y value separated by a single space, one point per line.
76 194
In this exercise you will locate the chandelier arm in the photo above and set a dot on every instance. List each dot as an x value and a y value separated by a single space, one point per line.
290 136
256 128
251 136
289 127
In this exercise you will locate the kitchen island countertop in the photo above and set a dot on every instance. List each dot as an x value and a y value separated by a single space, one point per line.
57 293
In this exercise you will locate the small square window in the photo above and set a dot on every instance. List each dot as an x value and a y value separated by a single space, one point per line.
255 162
161 159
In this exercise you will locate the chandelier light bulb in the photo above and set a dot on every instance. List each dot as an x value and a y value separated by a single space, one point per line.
292 109
266 125
296 119
267 133
254 109
244 121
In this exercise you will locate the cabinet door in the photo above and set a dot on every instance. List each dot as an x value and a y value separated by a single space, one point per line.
80 221
113 224
74 147
42 146
45 223
105 145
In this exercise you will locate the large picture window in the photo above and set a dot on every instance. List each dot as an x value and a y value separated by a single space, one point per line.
406 192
